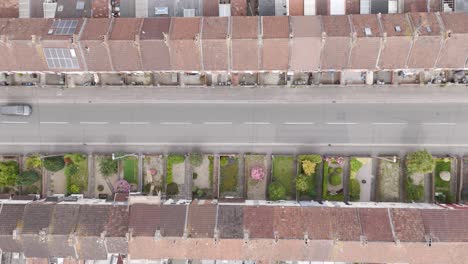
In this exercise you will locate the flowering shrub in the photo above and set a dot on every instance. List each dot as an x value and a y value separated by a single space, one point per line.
257 173
335 160
153 171
122 186
308 167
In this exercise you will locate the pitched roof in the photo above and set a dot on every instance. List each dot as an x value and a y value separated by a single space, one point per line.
394 53
345 224
34 246
117 224
144 219
125 28
155 28
186 28
396 25
91 248
455 22
375 224
215 28
214 44
10 217
36 217
408 224
202 220
64 219
426 24
258 221
275 54
95 28
288 222
173 220
230 221
100 8
69 9
275 27
306 26
244 27
211 8
336 26
92 219
361 23
446 225
317 223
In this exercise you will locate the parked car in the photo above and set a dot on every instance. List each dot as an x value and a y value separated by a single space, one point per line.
18 110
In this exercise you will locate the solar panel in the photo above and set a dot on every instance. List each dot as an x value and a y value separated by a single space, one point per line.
64 27
61 58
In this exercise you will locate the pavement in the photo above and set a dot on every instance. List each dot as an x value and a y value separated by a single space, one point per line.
356 120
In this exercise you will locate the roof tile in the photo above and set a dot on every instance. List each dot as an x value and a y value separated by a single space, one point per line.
202 220
231 221
375 224
117 225
92 219
10 217
144 219
408 224
37 216
287 222
64 219
173 220
258 221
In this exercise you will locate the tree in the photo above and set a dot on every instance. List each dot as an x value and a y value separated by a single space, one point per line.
257 173
420 162
27 178
276 191
9 171
33 162
335 179
54 163
302 183
196 159
107 166
122 186
71 170
308 167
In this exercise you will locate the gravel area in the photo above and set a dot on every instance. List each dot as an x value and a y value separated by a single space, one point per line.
256 189
151 163
389 181
203 171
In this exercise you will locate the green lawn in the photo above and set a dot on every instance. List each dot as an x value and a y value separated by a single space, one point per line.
284 172
172 159
229 171
130 167
440 185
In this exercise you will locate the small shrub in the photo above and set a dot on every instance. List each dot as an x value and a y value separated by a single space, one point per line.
122 186
147 188
257 173
200 193
74 189
172 189
224 161
414 192
335 179
339 170
28 178
33 162
54 164
302 183
107 166
331 170
313 158
9 171
308 167
31 189
420 162
276 191
100 188
71 170
196 159
195 175
355 165
450 199
75 157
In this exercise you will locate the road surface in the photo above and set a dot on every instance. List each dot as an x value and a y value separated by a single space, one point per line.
216 125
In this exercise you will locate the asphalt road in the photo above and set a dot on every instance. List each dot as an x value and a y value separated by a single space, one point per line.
224 126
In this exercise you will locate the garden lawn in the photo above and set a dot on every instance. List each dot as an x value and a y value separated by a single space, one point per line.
80 179
130 167
283 172
229 171
172 160
441 186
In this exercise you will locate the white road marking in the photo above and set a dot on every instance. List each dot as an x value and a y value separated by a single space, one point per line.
53 123
331 123
94 123
256 123
446 124
217 144
389 123
175 123
217 123
14 122
134 123
298 123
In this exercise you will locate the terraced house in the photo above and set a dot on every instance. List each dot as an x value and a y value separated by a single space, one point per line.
204 230
221 51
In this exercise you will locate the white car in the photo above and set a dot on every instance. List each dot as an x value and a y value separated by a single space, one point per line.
18 110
